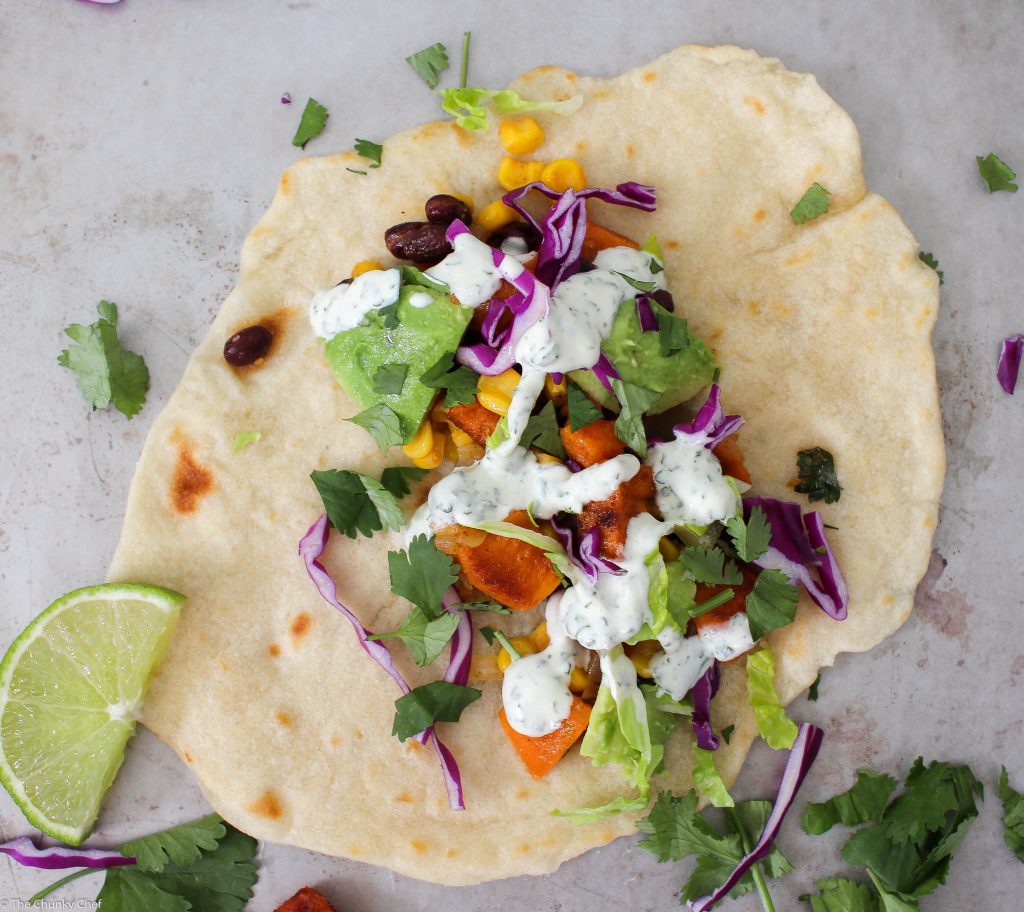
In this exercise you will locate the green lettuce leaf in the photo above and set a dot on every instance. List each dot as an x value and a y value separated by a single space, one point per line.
772 722
707 778
468 105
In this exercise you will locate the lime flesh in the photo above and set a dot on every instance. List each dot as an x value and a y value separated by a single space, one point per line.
70 689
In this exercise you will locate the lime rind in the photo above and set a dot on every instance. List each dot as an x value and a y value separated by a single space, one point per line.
70 687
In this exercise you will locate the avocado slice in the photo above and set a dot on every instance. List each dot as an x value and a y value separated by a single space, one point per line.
421 337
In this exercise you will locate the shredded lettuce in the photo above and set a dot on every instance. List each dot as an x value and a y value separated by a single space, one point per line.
707 779
468 105
772 722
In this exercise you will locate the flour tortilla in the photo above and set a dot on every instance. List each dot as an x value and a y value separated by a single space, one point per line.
824 332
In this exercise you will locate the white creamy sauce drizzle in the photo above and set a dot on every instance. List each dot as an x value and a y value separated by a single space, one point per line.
420 299
688 482
346 306
728 640
470 273
681 665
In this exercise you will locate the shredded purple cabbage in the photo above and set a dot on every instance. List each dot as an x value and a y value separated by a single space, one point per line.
703 691
801 757
583 551
572 465
286 98
1009 362
24 851
711 422
311 549
605 371
798 545
645 314
637 196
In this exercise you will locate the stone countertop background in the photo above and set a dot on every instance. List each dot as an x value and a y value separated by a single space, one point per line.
140 142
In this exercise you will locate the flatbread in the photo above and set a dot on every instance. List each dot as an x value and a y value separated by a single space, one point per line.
823 329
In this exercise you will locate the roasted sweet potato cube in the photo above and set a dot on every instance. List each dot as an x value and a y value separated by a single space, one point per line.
592 444
598 238
612 516
542 753
731 457
474 420
306 900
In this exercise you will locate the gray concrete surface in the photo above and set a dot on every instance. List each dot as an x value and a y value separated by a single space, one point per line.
140 142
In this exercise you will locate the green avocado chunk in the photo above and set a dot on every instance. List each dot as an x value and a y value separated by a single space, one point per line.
418 341
672 361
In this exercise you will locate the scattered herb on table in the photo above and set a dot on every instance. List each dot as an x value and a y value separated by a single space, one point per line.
1013 814
812 691
930 260
812 204
996 173
370 150
818 480
429 63
311 124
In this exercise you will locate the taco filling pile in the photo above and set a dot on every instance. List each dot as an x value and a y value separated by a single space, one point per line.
589 477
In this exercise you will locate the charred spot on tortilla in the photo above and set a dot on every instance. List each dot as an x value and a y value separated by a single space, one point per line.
191 481
300 627
284 719
267 805
273 650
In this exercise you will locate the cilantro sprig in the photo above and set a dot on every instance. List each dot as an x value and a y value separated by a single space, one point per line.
429 63
382 424
1013 814
357 503
422 574
750 537
311 124
542 432
629 426
996 173
460 382
582 411
818 480
438 701
105 372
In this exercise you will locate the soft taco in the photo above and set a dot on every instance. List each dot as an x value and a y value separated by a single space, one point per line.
817 334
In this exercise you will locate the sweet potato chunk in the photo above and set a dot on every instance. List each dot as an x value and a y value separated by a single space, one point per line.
512 572
474 420
592 444
541 754
612 516
731 457
306 900
720 615
598 238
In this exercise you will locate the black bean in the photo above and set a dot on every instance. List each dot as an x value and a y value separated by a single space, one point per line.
248 345
421 242
664 298
444 209
522 230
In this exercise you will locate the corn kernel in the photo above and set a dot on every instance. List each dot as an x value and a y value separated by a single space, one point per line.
436 455
540 636
669 549
451 451
513 174
504 383
578 680
522 645
495 215
422 443
563 173
365 266
459 437
520 135
494 401
556 391
504 660
484 667
641 655
547 458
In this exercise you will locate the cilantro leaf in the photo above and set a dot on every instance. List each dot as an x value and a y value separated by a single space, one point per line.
996 173
244 438
681 594
727 733
105 372
750 538
818 480
424 637
812 204
582 411
388 314
390 378
438 701
397 479
488 605
771 604
311 125
413 276
673 332
371 150
213 879
629 426
355 502
638 284
429 63
864 802
1013 814
422 574
812 691
542 432
676 830
709 566
488 633
180 845
382 424
930 260
841 895
461 383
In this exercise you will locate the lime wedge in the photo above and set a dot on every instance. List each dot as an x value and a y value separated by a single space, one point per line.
70 689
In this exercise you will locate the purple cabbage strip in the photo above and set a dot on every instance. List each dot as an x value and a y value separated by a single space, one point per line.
572 465
645 314
637 196
583 551
311 548
711 421
562 231
23 850
605 371
801 757
286 98
703 691
1009 362
798 544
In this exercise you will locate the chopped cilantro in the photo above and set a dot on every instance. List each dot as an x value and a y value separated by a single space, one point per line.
488 633
710 604
314 116
673 332
413 276
424 637
837 894
709 566
105 372
727 733
636 283
388 315
996 173
485 605
750 538
812 204
429 63
771 604
397 479
422 574
930 260
180 845
460 383
371 150
382 424
864 802
812 691
464 69
244 438
390 378
629 426
438 701
357 171
357 503
1013 814
542 432
818 480
582 410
